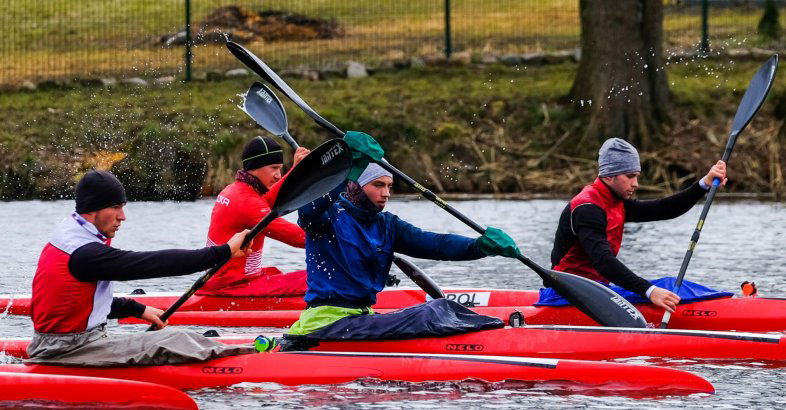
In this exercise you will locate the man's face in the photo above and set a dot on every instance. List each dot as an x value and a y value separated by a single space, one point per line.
107 220
624 185
269 174
378 191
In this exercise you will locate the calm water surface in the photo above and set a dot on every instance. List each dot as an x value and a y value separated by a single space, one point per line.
741 241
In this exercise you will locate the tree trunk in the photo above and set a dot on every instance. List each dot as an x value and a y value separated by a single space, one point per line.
621 78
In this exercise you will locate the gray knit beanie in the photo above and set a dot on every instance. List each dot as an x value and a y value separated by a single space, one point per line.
372 172
617 157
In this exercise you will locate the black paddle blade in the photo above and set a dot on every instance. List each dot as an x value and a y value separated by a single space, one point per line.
754 96
317 174
261 104
419 277
600 303
258 66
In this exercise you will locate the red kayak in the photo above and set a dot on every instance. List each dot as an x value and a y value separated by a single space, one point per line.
717 314
341 367
566 342
15 347
741 314
282 318
30 390
396 298
579 342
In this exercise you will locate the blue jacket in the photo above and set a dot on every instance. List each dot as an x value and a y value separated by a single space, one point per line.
349 250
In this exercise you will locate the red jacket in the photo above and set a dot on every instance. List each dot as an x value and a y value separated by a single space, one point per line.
576 260
239 207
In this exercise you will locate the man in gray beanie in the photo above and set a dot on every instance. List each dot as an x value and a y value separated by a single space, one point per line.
589 234
617 157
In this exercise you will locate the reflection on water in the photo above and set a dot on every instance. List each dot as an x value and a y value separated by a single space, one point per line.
372 393
740 241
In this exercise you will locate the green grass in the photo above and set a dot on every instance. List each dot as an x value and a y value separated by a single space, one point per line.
460 129
81 38
70 24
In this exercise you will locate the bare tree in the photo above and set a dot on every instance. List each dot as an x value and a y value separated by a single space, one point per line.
621 76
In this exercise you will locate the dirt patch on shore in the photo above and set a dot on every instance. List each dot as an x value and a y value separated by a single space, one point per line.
243 25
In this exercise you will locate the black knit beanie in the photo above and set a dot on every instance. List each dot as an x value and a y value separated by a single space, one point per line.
98 190
260 152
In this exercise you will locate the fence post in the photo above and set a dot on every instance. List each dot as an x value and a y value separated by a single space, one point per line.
704 49
188 40
448 45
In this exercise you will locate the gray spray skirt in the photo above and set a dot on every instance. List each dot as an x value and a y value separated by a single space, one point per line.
98 349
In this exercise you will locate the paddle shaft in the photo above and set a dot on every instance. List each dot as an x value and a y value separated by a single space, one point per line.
291 141
664 323
259 67
751 102
209 274
594 299
431 196
419 277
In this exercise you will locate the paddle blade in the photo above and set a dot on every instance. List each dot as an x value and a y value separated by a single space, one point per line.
754 96
600 303
258 66
317 174
261 104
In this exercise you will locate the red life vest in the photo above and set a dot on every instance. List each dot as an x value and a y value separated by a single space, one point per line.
61 303
576 261
239 207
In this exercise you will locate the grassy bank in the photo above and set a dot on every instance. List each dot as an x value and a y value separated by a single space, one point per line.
461 129
81 38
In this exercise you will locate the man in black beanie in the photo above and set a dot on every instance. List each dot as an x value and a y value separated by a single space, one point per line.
240 206
261 152
72 288
98 190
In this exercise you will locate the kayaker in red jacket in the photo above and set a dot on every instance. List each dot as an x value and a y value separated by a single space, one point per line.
72 288
589 234
240 206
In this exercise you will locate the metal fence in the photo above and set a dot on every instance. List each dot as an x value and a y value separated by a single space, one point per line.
88 38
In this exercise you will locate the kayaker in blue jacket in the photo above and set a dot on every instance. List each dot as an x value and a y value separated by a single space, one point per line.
350 243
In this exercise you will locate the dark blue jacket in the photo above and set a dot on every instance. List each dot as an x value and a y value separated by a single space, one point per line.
349 250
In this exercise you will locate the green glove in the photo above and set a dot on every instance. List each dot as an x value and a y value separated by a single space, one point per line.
496 242
364 150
